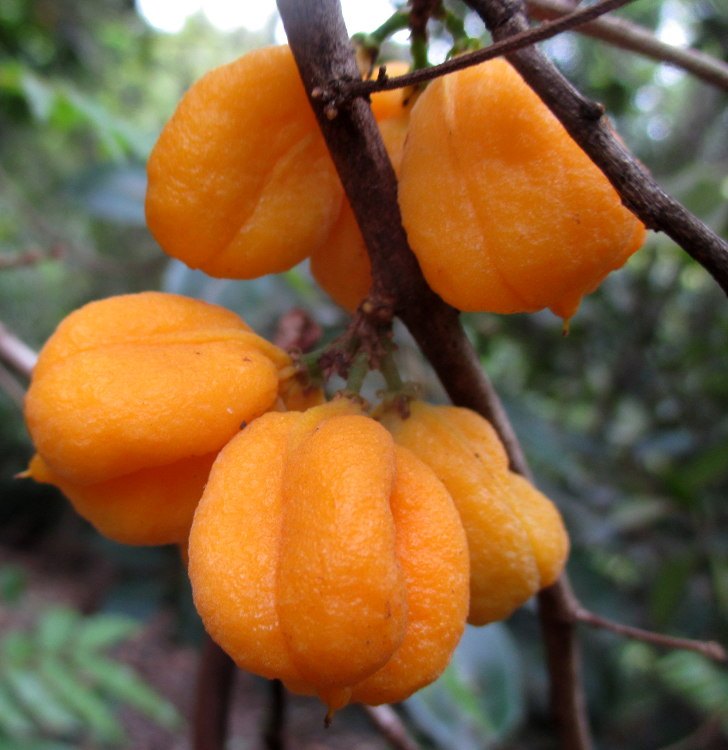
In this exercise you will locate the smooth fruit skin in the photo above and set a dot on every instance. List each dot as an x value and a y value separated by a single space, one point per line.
240 183
133 393
516 537
322 555
503 210
147 507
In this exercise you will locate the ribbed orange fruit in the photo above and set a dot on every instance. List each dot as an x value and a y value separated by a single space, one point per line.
131 399
240 183
323 555
503 210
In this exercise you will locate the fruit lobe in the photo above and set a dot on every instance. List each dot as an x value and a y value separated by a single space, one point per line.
515 535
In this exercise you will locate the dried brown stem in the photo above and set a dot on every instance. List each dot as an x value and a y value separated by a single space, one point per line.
627 35
711 649
584 121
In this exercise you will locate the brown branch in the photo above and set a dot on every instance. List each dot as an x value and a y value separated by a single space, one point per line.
387 721
216 673
16 353
340 91
627 35
556 607
711 649
583 120
274 735
319 41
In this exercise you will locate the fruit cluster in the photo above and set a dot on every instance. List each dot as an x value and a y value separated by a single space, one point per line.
337 548
503 210
338 551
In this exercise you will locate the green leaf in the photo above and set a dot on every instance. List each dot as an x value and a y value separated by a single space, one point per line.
35 745
13 721
39 95
698 681
103 631
81 700
669 587
56 627
17 647
479 698
12 583
122 683
39 702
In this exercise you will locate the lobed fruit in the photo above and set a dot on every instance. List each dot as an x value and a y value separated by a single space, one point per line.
130 401
503 210
240 183
515 535
323 555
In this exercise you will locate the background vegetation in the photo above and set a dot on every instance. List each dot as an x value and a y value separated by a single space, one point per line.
624 420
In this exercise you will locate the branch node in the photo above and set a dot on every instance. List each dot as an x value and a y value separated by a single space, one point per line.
591 110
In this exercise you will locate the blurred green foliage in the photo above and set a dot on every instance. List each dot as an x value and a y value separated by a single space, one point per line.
58 687
624 420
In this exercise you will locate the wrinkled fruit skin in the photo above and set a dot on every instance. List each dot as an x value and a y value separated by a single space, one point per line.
503 210
516 537
325 556
240 183
131 399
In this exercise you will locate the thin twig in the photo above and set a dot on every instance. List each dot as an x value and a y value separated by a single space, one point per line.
338 92
584 121
627 35
387 721
711 649
16 353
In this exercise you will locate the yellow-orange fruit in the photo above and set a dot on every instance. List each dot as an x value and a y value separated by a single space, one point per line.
341 264
516 538
240 183
503 210
323 555
131 399
149 506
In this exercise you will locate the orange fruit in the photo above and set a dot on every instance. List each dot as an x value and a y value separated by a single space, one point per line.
503 210
240 183
516 537
323 555
131 399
